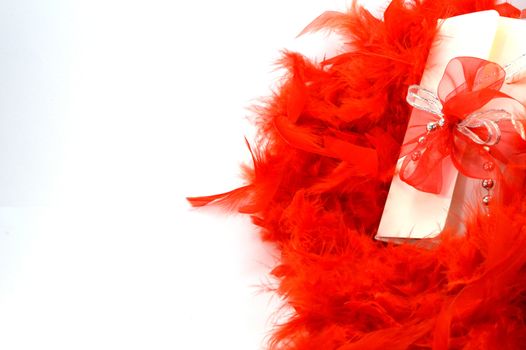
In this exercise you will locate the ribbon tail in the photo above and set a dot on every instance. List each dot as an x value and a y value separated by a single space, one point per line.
422 168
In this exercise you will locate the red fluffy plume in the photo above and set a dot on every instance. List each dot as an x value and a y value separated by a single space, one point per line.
329 141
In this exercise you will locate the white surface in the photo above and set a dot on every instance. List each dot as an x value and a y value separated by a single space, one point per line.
111 112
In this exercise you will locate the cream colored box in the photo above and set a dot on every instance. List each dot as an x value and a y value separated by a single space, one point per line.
412 214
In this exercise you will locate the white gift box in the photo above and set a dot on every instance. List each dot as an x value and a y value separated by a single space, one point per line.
410 213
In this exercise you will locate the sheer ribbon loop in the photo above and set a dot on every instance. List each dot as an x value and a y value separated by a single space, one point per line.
424 99
516 70
487 120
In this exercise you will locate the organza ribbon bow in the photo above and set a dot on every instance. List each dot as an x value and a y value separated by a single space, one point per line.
471 122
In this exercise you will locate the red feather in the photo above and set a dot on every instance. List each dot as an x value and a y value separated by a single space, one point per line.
329 141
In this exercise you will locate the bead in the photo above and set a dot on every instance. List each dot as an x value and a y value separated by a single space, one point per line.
484 150
415 156
486 199
422 140
488 184
488 166
431 126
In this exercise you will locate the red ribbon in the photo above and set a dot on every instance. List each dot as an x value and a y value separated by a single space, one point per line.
465 124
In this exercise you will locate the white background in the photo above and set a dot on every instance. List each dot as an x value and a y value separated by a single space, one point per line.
111 112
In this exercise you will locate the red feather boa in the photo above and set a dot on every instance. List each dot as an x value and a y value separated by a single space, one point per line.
328 144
